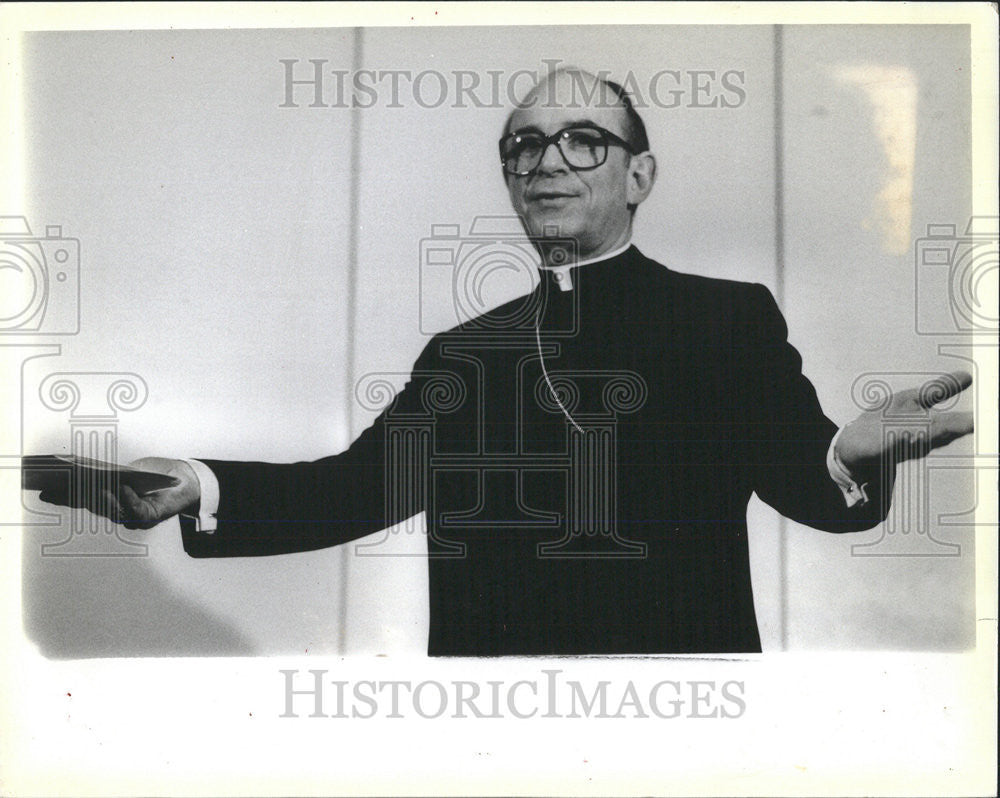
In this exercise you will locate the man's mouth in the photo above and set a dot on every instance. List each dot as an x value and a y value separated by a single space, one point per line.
537 196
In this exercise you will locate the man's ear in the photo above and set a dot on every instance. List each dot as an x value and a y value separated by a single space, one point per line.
641 177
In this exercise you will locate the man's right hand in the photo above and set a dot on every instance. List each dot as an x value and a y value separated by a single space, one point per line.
146 511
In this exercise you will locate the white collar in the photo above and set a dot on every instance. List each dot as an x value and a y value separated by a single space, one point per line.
561 274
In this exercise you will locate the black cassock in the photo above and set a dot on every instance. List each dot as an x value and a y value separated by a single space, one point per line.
584 458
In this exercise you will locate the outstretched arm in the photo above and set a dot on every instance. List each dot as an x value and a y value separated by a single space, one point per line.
791 437
269 508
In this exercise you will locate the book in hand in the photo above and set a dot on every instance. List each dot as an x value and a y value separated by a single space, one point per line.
49 472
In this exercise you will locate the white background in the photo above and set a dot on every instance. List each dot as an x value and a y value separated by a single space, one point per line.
218 256
218 262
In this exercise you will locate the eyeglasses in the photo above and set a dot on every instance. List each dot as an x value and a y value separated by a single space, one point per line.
582 147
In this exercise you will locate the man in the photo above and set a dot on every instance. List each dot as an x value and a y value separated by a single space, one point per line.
584 455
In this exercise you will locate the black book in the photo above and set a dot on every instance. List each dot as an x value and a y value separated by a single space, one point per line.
51 472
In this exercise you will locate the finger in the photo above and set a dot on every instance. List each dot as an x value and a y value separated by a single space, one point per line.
910 444
947 427
944 387
144 513
55 496
106 503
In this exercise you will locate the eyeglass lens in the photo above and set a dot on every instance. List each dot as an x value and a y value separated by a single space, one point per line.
581 148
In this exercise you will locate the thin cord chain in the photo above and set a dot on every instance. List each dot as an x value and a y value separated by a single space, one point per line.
541 359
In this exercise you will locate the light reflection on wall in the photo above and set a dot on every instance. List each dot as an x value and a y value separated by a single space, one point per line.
892 93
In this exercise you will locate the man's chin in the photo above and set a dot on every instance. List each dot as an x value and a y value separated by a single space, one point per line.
552 225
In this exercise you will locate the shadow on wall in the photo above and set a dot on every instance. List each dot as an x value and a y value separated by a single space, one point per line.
78 607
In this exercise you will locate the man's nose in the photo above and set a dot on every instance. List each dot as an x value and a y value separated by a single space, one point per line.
552 160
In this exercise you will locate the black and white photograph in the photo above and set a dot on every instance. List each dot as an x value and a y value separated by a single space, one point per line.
515 399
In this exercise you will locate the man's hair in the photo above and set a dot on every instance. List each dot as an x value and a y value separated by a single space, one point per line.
635 128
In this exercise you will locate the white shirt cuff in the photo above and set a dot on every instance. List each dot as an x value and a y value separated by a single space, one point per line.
853 492
209 506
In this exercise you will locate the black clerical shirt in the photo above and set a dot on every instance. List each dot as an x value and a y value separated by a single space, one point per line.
584 459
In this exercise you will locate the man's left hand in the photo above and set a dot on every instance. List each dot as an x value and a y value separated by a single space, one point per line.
863 445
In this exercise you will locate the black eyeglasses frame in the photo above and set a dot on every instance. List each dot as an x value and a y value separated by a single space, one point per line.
610 137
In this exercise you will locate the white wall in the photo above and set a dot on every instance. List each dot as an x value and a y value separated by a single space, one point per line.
213 226
871 109
218 261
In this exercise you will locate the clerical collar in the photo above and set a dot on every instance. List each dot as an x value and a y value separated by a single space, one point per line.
561 274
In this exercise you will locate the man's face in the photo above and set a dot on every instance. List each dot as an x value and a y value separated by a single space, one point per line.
590 206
